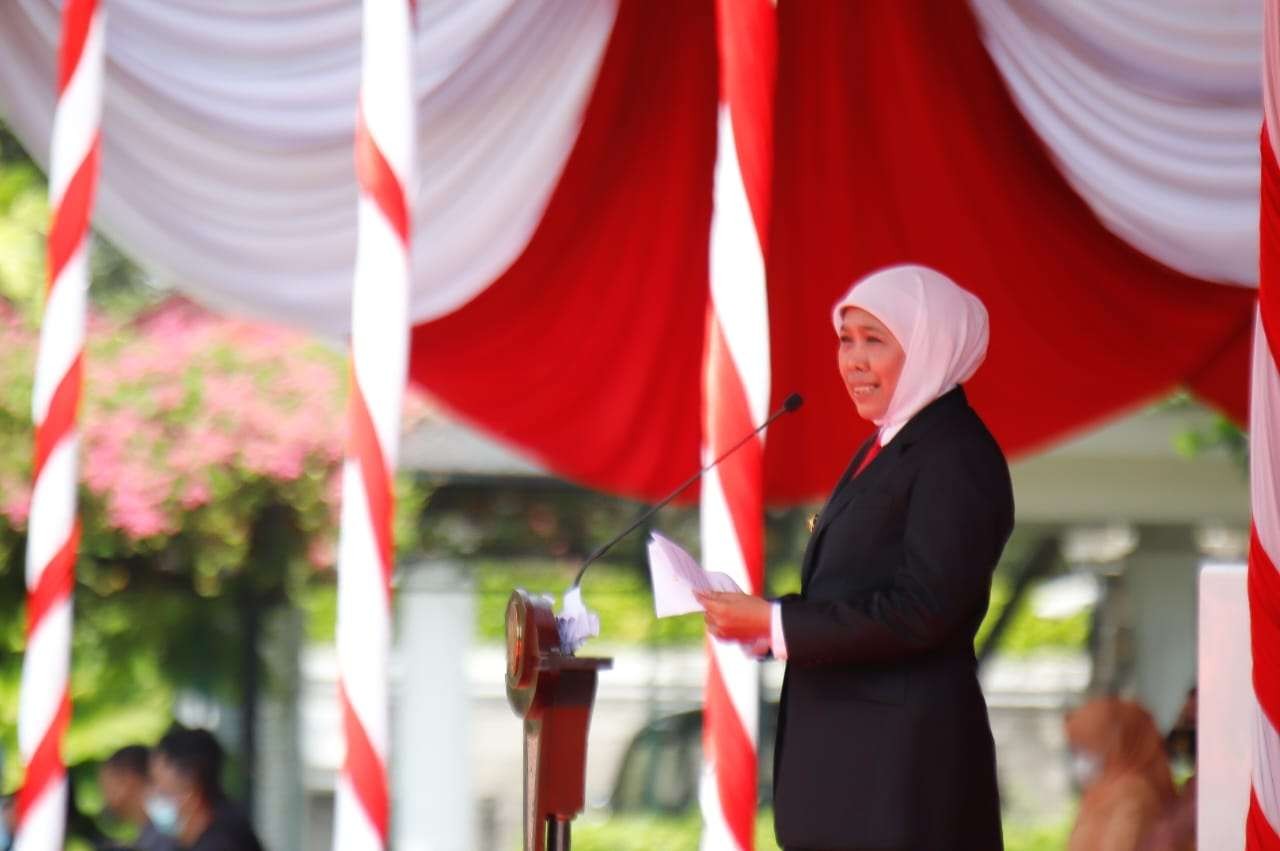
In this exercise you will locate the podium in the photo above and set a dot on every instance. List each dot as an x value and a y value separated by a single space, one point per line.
553 692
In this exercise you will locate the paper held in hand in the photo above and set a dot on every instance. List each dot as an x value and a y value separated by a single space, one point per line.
677 575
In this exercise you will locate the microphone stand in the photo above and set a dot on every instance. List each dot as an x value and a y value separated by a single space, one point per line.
553 691
792 403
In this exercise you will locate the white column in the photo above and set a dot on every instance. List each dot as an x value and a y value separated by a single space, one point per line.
431 767
281 797
1226 709
1160 581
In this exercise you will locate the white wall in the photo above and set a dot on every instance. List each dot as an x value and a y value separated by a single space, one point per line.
1226 709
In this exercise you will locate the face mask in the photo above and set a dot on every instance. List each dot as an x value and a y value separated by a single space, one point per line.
163 812
1085 768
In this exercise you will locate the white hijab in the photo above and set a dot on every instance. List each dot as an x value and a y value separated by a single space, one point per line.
941 327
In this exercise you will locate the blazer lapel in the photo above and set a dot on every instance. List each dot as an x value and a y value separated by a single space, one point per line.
848 487
839 496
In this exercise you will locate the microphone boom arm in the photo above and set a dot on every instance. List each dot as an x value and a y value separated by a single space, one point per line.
792 402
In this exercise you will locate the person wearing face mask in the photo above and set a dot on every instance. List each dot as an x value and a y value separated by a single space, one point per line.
125 782
883 737
188 802
1119 762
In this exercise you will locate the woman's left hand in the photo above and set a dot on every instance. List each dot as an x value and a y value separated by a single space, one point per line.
736 617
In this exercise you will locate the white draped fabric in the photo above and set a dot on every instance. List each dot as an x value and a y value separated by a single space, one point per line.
227 132
565 154
228 128
1151 109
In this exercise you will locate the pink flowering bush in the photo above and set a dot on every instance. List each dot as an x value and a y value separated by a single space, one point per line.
196 433
190 424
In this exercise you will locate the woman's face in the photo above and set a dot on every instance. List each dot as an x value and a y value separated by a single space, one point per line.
870 361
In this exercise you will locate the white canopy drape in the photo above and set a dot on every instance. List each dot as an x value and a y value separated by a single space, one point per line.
227 139
228 125
1151 109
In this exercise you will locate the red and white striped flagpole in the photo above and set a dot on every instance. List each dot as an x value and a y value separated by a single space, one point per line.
736 391
52 531
732 542
384 150
1262 826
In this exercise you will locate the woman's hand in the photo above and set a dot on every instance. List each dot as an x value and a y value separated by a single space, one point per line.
736 617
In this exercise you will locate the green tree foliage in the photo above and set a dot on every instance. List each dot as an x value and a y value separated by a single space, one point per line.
1219 435
671 833
1029 633
24 218
682 833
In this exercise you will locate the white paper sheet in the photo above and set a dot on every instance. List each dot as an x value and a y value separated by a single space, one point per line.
677 575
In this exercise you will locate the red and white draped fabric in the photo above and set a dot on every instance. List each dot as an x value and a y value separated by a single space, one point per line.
1088 166
252 204
736 401
1150 111
938 165
1263 826
384 157
53 531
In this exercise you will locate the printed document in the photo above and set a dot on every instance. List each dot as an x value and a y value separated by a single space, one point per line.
677 575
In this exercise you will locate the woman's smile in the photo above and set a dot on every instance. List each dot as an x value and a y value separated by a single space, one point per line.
862 389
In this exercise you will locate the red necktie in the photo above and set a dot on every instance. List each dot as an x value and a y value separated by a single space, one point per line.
868 458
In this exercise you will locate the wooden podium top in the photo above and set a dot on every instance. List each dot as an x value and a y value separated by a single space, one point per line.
533 648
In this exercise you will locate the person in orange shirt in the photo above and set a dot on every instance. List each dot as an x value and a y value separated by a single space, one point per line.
1119 761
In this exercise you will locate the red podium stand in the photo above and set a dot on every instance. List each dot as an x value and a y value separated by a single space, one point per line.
553 692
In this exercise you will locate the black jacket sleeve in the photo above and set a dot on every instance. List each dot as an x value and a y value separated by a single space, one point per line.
958 518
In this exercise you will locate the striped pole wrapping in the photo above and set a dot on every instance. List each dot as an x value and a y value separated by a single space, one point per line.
1262 825
53 533
1263 821
736 389
384 151
736 398
732 542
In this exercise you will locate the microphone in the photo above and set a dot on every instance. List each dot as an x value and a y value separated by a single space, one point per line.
791 403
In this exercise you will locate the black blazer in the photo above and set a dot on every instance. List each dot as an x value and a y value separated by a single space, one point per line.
883 738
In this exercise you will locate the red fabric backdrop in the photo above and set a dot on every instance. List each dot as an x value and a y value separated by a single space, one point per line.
589 350
912 149
894 140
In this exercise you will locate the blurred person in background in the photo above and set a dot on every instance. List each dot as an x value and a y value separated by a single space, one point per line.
1119 762
125 781
1176 828
188 802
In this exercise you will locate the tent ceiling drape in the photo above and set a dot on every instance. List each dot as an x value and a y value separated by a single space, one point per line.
1151 113
227 139
938 165
1090 169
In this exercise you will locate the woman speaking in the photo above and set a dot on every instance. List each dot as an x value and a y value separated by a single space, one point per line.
883 738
